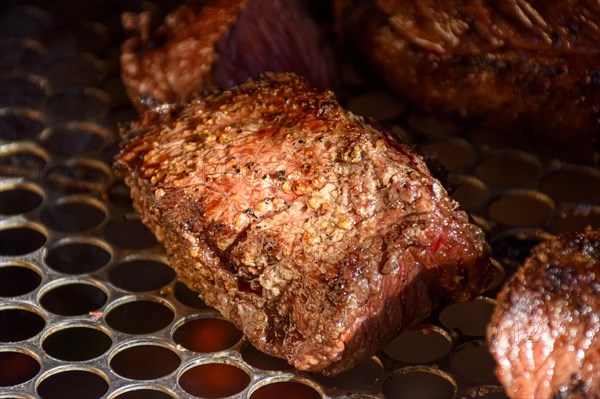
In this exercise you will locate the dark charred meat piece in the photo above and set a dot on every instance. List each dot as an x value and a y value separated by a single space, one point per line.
222 42
517 66
318 236
544 332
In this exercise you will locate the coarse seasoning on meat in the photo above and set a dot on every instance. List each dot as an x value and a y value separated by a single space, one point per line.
319 236
523 68
545 331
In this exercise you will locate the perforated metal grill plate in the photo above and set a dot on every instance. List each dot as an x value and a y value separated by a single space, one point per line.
89 307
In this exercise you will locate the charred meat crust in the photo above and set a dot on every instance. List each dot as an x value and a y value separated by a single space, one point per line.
518 67
318 236
544 332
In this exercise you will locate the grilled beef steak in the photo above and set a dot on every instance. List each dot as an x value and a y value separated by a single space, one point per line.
318 236
222 42
517 66
544 332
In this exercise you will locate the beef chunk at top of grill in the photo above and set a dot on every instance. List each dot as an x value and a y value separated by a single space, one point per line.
544 333
523 68
221 43
319 236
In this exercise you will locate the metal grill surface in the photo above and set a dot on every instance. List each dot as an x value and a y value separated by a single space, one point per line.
88 305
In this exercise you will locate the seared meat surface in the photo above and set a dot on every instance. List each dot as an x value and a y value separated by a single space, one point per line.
544 332
208 43
516 66
320 237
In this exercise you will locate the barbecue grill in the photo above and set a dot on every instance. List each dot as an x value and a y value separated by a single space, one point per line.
88 305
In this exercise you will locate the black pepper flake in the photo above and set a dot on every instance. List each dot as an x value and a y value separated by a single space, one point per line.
321 139
280 175
266 200
251 213
264 177
301 141
249 165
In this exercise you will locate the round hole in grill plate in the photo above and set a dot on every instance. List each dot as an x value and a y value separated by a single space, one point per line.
470 318
21 90
290 389
522 208
22 160
576 217
417 382
364 374
91 36
144 361
21 239
422 345
72 382
74 69
142 316
473 361
454 153
72 297
213 380
75 138
206 334
18 278
79 175
509 168
139 275
77 103
485 392
119 194
17 366
513 246
470 192
129 232
76 343
143 392
20 123
376 104
21 54
432 126
188 297
573 184
20 198
26 21
73 214
20 323
261 360
78 255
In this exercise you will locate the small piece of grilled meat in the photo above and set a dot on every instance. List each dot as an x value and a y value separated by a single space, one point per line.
545 331
221 43
320 237
527 68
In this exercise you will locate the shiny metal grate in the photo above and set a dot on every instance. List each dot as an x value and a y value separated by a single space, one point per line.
88 305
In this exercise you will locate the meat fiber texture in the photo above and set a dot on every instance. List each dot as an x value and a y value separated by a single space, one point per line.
544 332
529 69
318 236
218 43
